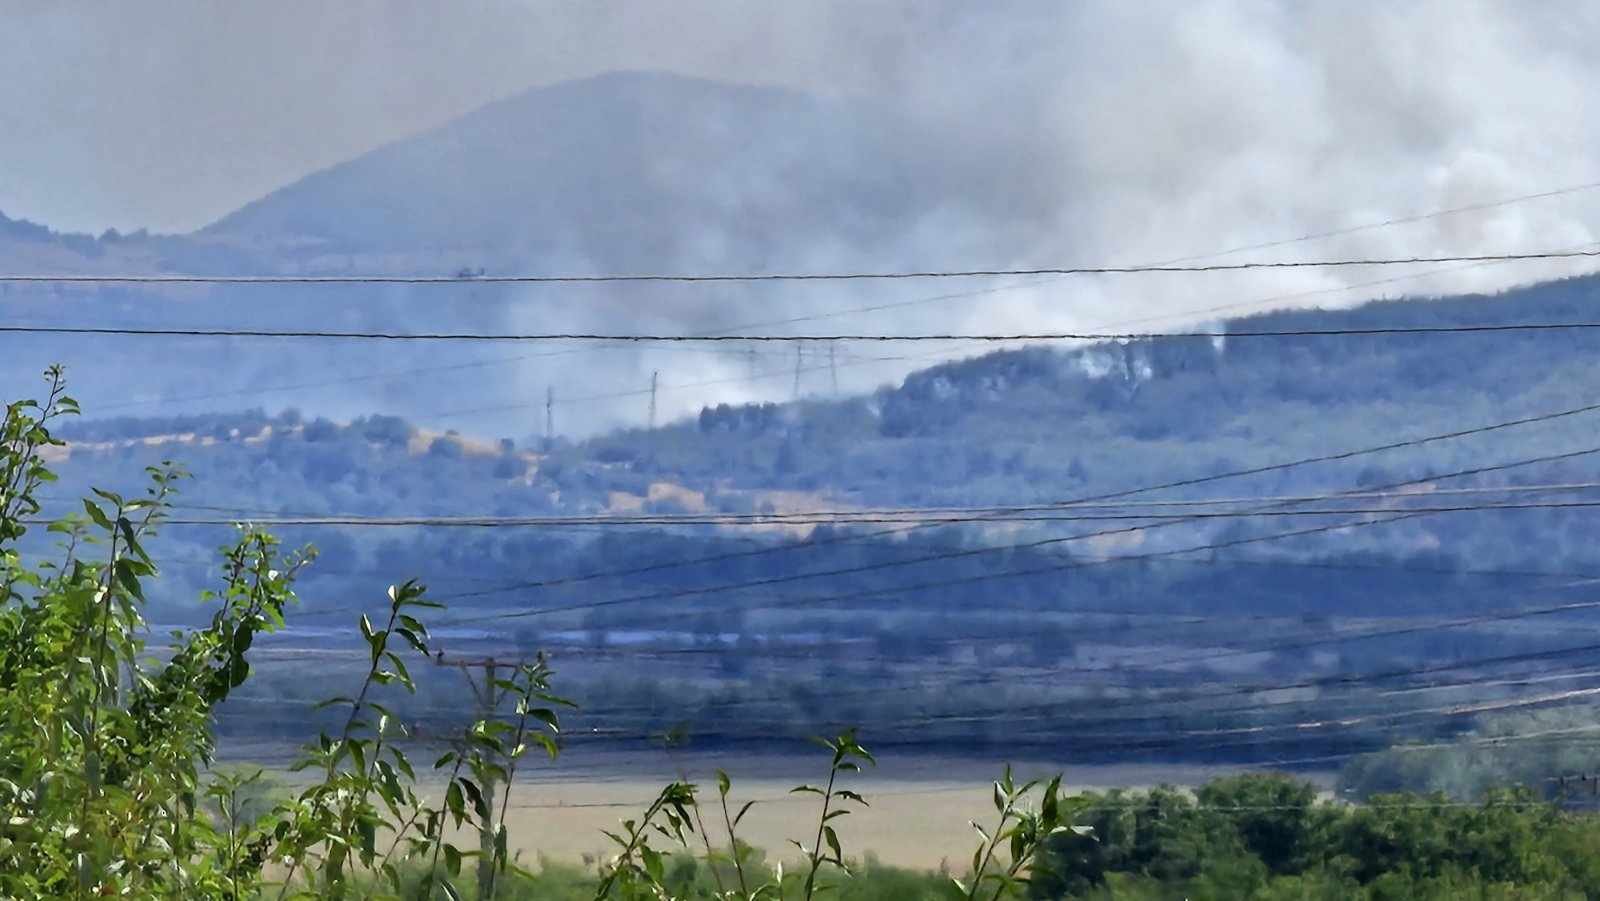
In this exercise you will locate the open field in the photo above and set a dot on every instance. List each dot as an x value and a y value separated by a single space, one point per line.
918 818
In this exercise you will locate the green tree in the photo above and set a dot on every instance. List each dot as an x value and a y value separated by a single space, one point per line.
106 745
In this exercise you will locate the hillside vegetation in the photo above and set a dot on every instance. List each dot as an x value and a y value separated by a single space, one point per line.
948 613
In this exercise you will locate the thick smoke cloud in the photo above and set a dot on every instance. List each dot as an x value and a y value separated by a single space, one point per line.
1092 132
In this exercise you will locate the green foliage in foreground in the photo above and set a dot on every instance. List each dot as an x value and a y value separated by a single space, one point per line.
1263 837
106 742
1268 837
107 789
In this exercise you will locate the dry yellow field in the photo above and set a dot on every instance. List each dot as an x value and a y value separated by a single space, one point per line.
919 813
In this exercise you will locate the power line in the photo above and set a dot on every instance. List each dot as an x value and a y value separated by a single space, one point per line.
1185 696
898 589
1300 295
784 277
1338 681
1321 723
940 584
1405 220
1344 721
1341 455
640 392
835 314
392 374
772 731
946 583
1336 636
892 590
518 522
1180 483
814 338
1138 740
1266 245
930 515
1257 470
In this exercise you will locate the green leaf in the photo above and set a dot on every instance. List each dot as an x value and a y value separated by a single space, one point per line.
1049 807
551 749
548 717
401 762
833 843
411 639
652 862
98 515
131 539
109 497
368 830
400 667
456 803
480 806
128 579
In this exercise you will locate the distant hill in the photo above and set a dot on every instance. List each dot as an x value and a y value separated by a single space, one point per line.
1020 426
933 611
628 171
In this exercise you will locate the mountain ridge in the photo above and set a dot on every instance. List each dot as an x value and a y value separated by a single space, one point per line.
582 174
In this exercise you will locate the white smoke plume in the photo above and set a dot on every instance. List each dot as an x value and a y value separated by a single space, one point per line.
1084 133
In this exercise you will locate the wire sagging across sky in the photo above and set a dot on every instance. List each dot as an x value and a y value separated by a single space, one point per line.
24 278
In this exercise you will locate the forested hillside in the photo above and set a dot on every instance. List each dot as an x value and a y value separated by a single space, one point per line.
1034 425
713 563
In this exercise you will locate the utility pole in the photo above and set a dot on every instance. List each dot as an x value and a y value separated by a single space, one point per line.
833 366
797 370
654 378
549 416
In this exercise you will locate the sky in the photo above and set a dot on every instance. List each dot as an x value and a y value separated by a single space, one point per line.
1129 132
169 115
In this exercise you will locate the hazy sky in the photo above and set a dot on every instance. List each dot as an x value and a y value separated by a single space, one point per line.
170 114
1151 130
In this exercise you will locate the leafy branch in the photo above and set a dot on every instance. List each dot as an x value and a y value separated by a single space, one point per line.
1022 830
848 756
